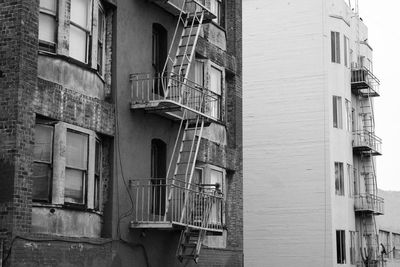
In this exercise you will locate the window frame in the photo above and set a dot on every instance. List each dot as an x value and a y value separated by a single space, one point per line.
83 170
337 112
101 39
215 109
353 247
46 46
346 52
385 234
335 47
60 165
348 115
339 179
396 245
86 29
340 246
350 174
49 163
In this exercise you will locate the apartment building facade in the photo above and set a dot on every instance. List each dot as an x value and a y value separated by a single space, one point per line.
120 138
310 142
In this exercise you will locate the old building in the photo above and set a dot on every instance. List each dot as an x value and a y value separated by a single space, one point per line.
120 133
309 137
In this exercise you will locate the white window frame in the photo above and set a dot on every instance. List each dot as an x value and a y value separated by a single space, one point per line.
216 9
382 236
350 174
215 109
353 247
59 166
87 29
45 45
101 39
348 117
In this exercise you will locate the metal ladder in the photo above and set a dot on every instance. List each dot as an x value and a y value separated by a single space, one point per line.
191 239
189 136
190 18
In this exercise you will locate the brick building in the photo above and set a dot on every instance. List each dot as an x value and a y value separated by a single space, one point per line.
120 133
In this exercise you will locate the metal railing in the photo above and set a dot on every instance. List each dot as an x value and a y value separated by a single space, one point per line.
369 202
189 204
363 79
364 138
147 88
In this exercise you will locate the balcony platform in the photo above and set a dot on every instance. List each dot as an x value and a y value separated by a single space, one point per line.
170 97
368 203
174 226
364 83
174 7
365 142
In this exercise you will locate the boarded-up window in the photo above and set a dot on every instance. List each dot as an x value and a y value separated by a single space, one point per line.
396 246
385 241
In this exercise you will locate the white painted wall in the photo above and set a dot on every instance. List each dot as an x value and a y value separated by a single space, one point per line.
291 211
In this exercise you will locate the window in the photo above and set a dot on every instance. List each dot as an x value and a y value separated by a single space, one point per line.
216 9
350 174
346 51
79 30
42 162
199 73
215 91
159 55
337 112
385 241
340 247
67 173
339 179
97 175
76 167
353 247
396 246
101 36
355 182
335 47
47 25
158 175
348 117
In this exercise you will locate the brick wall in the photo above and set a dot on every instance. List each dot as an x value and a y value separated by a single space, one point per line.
35 251
234 196
54 101
18 76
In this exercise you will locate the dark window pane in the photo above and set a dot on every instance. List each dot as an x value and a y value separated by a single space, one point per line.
41 181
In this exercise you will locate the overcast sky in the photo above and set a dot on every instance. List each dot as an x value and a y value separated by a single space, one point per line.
382 19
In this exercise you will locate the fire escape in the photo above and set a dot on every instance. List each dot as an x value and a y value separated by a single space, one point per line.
367 145
180 201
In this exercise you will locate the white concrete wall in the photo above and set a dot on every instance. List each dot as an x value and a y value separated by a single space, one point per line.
290 146
287 177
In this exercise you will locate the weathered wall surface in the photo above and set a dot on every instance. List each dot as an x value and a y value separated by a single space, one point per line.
287 215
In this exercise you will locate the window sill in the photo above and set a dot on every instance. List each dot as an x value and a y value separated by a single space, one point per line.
66 207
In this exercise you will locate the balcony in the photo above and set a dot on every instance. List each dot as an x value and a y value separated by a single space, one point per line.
367 142
364 83
197 206
369 203
169 97
175 6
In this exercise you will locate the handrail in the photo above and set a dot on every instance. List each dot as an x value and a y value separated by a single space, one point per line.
147 88
368 201
365 76
149 195
367 138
